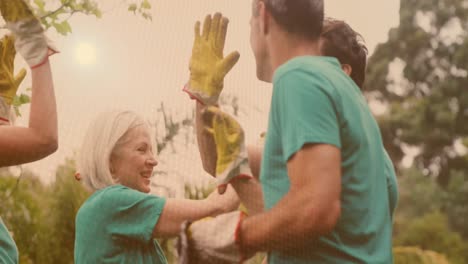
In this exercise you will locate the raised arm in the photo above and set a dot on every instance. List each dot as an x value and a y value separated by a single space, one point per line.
205 140
20 145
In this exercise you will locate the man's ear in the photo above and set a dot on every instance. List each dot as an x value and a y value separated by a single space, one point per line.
264 17
347 69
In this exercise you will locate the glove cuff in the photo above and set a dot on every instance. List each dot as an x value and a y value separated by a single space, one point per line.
31 42
191 95
238 169
4 112
200 96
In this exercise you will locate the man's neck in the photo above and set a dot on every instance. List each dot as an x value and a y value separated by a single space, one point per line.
286 47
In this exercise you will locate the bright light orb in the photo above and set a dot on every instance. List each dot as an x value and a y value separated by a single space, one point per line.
85 54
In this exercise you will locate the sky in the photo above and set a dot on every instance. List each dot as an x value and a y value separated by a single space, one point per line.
123 61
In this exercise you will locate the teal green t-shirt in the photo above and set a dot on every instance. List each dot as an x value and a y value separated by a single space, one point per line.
8 250
115 225
313 101
392 184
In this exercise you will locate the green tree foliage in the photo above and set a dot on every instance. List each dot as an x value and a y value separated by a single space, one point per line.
455 203
431 217
428 106
418 195
42 218
20 209
65 196
414 255
432 232
56 13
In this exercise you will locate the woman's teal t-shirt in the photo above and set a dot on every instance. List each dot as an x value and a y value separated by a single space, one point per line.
8 250
115 225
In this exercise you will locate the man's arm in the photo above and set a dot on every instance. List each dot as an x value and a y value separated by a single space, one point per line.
310 209
255 153
205 140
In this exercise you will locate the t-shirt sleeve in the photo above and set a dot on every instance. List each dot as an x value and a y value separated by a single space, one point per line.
133 214
306 110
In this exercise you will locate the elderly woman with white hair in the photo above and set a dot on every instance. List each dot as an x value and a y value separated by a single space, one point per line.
119 222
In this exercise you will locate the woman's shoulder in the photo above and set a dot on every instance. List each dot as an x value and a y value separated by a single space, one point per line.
117 193
110 195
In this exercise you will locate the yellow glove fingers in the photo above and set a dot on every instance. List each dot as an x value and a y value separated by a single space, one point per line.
222 31
233 126
15 10
197 31
220 137
4 47
206 27
228 62
214 32
227 130
228 136
19 78
9 51
218 125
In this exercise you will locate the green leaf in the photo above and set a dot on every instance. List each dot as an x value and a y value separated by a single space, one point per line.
147 16
145 4
62 28
97 13
17 112
18 101
132 8
40 5
24 99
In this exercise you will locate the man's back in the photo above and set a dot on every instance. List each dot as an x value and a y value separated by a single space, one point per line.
315 102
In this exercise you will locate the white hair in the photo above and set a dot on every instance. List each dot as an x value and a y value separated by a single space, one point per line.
101 138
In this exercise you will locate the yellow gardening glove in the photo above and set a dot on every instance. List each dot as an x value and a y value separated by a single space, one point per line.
232 159
208 67
30 40
8 82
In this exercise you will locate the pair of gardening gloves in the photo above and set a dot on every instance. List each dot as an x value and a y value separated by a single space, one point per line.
215 240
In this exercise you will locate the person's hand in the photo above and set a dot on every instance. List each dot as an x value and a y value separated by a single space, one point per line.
30 40
226 202
232 159
208 67
9 83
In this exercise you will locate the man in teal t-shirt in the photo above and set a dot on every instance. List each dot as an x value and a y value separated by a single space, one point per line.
115 225
315 103
8 250
328 184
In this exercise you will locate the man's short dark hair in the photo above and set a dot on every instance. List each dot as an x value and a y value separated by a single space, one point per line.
302 17
339 40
